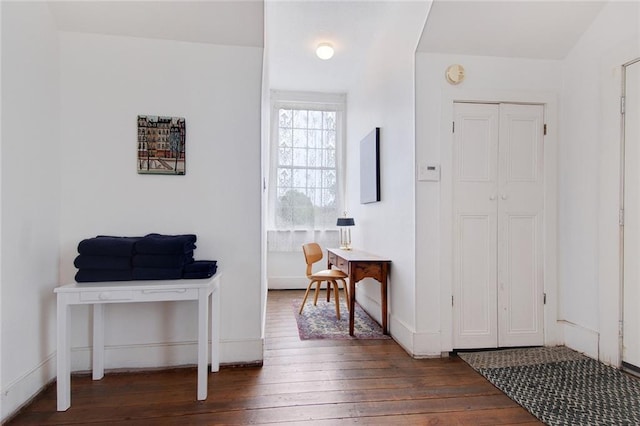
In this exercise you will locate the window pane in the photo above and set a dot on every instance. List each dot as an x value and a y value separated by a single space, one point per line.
299 178
315 119
330 139
285 137
329 179
314 158
315 138
284 178
329 120
284 156
300 119
285 117
300 138
314 178
330 158
300 157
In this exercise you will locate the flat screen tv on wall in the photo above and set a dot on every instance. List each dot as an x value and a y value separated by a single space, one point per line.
370 167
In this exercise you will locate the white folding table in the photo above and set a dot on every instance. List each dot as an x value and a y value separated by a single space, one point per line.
205 291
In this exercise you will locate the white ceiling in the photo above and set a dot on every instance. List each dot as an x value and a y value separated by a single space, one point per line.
362 31
213 21
539 29
358 30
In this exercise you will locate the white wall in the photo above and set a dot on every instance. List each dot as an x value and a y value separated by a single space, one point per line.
106 81
590 180
30 195
487 79
383 96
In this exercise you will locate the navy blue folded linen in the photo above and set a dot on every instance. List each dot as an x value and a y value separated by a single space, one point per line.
200 269
97 275
86 261
157 273
162 260
166 244
103 245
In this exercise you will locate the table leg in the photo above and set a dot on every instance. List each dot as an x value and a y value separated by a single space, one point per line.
63 355
98 341
203 342
215 329
352 298
383 296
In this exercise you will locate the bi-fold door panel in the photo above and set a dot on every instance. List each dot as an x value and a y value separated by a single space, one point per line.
498 204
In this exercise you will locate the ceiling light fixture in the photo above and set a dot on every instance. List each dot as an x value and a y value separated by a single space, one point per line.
324 51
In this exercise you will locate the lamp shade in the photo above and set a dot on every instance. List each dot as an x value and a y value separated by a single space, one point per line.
345 221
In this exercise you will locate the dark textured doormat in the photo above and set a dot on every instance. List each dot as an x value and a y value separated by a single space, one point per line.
320 322
560 386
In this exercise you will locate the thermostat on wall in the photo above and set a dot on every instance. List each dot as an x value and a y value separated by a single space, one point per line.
429 172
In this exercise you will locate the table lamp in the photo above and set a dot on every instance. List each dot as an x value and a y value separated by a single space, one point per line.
345 232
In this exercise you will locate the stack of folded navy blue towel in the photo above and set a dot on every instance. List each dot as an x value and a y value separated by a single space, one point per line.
162 257
152 257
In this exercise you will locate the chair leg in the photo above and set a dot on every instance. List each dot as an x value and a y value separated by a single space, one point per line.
346 292
306 293
328 291
337 297
315 298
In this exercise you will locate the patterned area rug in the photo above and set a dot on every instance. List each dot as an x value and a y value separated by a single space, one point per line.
320 322
560 386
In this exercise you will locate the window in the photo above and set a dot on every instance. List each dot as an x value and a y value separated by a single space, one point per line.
306 165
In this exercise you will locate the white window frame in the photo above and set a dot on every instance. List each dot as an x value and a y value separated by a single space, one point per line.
280 239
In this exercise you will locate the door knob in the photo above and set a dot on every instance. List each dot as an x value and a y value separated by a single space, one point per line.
492 197
504 196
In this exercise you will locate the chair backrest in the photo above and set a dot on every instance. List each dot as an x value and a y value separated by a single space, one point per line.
312 254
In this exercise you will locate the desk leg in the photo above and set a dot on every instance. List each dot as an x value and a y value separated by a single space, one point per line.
383 295
203 342
98 341
63 355
352 298
215 330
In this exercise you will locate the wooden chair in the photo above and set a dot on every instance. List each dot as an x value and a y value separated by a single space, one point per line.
312 254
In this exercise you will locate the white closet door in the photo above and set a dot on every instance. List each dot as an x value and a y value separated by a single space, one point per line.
520 215
631 287
475 154
498 203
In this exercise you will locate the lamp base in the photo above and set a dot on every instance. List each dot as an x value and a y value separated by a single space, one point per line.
345 247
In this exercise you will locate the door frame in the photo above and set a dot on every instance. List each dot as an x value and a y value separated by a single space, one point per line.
623 91
552 331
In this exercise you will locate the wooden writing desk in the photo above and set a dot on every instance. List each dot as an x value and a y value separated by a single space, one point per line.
359 265
204 291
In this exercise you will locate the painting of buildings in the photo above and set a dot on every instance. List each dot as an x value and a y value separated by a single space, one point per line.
161 145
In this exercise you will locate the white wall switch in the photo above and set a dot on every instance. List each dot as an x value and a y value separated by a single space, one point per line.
429 172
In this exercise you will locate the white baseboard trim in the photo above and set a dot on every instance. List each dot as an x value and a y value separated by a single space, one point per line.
166 354
581 339
427 345
401 334
288 283
22 390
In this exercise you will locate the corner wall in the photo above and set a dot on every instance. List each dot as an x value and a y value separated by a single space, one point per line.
590 181
384 96
106 81
30 199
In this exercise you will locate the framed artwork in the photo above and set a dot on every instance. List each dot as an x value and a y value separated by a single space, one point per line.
370 167
161 143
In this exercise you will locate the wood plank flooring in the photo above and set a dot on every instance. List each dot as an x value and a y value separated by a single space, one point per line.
319 382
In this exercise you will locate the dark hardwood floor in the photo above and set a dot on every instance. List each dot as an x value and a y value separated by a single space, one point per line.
324 382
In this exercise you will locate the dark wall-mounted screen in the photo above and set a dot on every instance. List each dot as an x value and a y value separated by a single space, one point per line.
370 167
